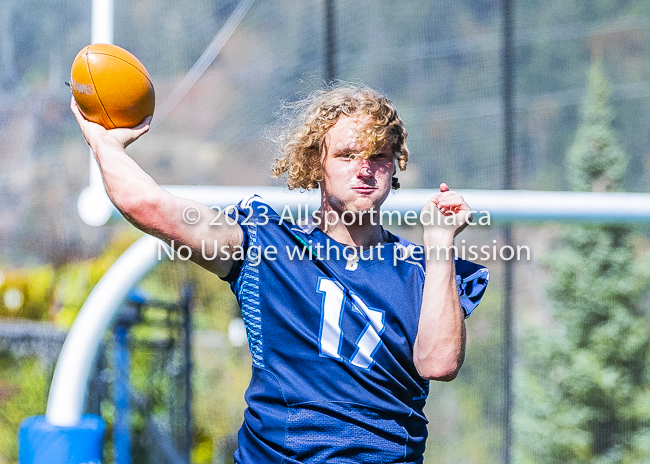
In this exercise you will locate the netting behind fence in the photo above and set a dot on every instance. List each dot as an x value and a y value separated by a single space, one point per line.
440 61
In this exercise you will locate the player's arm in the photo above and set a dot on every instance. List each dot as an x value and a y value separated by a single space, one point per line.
149 207
439 348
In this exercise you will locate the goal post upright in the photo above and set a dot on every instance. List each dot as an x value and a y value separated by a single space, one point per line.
42 440
102 19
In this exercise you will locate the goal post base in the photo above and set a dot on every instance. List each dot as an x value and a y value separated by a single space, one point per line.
40 442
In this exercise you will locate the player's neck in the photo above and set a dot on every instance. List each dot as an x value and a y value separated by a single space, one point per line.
363 232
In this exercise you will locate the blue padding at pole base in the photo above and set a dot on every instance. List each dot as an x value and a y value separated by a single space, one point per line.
42 443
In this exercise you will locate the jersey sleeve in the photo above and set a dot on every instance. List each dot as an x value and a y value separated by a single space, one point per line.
472 280
248 213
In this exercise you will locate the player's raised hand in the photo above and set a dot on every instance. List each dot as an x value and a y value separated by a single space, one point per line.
446 212
96 134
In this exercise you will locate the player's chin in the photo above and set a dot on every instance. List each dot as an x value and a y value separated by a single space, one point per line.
365 204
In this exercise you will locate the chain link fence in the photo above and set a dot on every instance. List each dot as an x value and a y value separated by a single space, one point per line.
440 61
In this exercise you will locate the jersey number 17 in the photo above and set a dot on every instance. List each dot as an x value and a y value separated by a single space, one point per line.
330 338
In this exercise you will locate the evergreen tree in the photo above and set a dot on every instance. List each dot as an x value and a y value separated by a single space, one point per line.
585 390
595 161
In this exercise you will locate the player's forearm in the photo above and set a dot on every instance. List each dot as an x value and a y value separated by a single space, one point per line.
133 192
141 200
439 348
155 211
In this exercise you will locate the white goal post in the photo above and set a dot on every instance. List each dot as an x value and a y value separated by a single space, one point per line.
68 389
74 366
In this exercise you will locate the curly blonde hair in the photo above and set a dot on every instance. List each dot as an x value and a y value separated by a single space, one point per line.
301 132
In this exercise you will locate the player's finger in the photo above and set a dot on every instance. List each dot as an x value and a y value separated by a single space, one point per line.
449 197
451 202
128 136
75 110
145 123
452 199
142 129
444 187
449 209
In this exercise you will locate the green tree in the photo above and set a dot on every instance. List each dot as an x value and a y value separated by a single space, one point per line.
23 393
584 385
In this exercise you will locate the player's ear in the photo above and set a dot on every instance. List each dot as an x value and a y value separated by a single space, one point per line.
395 180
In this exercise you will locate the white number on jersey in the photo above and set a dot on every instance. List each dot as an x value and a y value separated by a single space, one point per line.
331 334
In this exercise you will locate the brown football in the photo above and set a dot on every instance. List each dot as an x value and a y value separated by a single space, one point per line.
111 86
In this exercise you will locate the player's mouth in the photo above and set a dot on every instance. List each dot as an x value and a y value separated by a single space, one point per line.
364 189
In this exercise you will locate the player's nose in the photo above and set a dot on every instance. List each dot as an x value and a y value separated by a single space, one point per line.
364 168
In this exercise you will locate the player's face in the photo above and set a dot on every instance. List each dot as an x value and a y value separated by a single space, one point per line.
349 183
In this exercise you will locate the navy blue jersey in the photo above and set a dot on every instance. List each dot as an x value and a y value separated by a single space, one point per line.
331 336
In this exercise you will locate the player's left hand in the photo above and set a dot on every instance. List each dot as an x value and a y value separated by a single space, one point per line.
450 212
